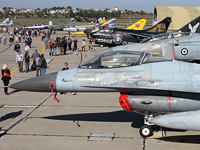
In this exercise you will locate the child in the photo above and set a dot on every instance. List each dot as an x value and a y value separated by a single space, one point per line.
83 45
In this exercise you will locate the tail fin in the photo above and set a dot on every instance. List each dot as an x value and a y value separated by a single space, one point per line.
161 27
138 25
7 20
110 23
50 23
192 26
11 23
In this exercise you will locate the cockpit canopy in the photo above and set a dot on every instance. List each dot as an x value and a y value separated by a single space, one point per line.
116 59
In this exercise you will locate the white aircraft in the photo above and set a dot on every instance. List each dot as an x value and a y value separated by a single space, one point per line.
6 24
39 27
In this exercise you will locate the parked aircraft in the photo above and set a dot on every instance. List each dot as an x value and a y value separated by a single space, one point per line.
146 82
139 25
115 36
36 27
110 24
75 28
6 24
178 46
110 40
58 26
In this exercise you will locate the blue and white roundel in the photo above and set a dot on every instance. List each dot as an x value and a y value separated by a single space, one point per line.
184 51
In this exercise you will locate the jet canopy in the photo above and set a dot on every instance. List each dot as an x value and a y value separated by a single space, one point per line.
116 59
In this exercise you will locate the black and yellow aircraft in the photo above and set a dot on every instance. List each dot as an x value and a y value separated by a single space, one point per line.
114 36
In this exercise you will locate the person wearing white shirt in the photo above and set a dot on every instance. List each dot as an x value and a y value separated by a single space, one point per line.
83 45
26 47
19 60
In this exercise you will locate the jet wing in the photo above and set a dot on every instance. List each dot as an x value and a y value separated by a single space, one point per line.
139 35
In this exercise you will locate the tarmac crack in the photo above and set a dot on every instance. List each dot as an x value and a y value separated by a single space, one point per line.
25 117
60 135
144 144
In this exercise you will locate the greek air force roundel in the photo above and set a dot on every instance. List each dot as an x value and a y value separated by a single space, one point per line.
184 51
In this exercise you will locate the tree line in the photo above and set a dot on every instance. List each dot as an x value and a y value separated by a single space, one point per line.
89 13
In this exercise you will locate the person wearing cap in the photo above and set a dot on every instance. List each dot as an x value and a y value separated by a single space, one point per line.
5 77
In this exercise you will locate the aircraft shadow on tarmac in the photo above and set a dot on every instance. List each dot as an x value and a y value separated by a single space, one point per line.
14 91
193 139
135 119
115 116
11 115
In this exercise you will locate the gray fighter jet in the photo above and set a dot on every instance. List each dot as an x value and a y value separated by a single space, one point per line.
154 84
178 46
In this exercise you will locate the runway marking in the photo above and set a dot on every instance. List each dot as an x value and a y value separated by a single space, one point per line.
101 137
31 61
18 106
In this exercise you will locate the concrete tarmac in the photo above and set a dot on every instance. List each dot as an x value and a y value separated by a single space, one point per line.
85 121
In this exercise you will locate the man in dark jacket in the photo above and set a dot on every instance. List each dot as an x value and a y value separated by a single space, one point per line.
17 47
42 64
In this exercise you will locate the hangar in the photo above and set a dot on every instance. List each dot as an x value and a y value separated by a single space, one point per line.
180 15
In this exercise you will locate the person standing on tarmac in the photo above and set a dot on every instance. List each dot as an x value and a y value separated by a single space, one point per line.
75 44
42 64
5 72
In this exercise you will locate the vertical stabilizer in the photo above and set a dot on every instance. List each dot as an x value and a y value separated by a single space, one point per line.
192 26
161 27
7 20
138 25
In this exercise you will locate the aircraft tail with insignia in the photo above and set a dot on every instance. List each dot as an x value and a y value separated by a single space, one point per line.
110 24
160 27
138 25
6 21
193 26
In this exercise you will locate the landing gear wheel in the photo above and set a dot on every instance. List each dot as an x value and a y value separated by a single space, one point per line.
146 131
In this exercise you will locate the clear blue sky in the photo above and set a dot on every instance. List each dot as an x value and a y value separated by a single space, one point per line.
135 5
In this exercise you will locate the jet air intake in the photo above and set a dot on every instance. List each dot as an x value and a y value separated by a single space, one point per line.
158 103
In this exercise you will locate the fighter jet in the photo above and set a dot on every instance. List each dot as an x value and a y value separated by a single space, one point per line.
139 25
192 27
86 30
115 36
6 24
175 45
146 82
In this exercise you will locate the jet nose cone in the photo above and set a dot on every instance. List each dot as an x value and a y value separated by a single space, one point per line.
37 84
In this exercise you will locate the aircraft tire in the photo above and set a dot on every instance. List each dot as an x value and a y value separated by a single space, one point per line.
146 131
